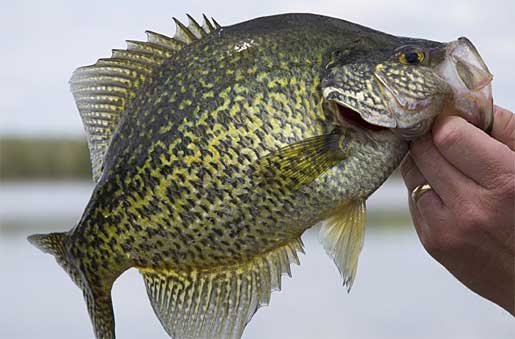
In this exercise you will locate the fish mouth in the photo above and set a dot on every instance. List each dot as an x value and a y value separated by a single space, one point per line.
348 115
400 114
352 118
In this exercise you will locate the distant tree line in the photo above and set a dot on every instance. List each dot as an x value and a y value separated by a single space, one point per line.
45 159
52 159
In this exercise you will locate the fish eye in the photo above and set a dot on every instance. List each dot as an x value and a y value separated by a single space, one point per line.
411 58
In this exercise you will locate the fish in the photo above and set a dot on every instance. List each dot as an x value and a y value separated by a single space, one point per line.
214 150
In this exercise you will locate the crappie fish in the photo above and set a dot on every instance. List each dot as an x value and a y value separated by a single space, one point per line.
214 150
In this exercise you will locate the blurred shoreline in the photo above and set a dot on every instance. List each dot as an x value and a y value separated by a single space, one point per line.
45 205
43 158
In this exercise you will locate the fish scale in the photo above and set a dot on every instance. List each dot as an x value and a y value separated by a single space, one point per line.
214 150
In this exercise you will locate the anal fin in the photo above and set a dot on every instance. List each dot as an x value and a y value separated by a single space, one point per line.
342 237
217 303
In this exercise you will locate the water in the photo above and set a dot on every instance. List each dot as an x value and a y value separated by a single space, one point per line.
39 202
399 292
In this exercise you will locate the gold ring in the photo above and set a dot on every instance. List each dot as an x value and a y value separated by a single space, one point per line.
419 191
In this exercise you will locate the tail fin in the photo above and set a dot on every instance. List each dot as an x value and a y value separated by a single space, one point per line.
98 298
54 243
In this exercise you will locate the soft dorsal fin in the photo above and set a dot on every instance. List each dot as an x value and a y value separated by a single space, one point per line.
104 90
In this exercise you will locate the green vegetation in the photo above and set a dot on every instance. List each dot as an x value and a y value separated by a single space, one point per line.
46 159
389 219
26 159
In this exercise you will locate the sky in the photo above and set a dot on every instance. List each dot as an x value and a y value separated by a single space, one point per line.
44 41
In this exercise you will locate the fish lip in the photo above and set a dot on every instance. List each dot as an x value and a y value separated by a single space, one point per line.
471 100
334 95
464 40
453 52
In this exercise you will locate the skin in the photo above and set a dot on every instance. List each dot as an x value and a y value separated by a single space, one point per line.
467 221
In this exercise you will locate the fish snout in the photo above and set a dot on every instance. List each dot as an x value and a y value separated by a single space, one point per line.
467 74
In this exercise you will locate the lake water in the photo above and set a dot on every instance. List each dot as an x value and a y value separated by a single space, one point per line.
399 292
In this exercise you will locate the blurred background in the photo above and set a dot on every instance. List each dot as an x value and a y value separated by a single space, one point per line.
400 292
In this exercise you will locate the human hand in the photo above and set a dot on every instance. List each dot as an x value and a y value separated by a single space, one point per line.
467 221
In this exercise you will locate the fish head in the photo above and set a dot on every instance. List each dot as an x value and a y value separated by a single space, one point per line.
405 86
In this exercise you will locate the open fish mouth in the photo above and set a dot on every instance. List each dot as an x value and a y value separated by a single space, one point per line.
386 101
407 118
353 111
352 118
349 117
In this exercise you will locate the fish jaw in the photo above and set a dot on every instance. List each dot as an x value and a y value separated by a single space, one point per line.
402 98
406 113
471 82
414 103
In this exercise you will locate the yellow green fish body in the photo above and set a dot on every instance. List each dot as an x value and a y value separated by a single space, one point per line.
213 152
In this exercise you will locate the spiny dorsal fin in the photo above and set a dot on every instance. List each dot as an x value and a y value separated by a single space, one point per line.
104 90
216 24
217 303
195 28
183 33
207 26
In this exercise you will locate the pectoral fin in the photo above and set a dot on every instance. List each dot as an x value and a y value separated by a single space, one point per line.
342 237
300 163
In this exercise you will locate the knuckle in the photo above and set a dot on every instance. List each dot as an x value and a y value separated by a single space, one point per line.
422 150
442 237
507 117
504 187
422 146
467 213
448 135
472 218
504 115
499 173
467 210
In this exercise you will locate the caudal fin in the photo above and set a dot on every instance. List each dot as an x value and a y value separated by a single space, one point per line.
98 297
54 243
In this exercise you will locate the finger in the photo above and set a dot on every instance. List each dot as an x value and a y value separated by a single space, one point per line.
504 127
429 200
471 150
412 176
449 183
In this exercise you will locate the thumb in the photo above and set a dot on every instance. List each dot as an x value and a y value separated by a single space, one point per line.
504 127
